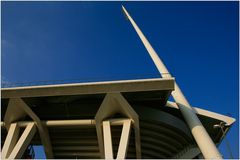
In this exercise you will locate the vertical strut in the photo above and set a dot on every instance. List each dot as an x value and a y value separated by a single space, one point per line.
107 140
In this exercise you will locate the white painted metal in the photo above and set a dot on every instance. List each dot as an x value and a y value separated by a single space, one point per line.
65 123
10 141
23 142
123 145
56 123
108 150
205 143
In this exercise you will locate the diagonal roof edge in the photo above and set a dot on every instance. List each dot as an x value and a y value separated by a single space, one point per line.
199 111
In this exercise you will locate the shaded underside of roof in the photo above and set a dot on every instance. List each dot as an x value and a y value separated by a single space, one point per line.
163 130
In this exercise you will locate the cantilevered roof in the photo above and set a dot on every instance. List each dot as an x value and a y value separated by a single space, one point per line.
47 100
157 84
164 133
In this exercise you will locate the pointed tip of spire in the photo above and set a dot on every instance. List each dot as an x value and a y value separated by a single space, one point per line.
124 12
123 8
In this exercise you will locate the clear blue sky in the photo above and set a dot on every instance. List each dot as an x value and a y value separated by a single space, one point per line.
92 41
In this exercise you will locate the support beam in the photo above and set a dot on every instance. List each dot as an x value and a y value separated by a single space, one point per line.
23 142
17 109
204 141
107 137
115 103
11 140
61 123
123 145
13 147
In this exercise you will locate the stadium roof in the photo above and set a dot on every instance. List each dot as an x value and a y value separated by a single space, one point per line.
79 102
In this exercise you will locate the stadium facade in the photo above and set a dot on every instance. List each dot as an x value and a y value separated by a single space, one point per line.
112 119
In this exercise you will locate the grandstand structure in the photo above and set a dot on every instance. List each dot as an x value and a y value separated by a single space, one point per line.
110 119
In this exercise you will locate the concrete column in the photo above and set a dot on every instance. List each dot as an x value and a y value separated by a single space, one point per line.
107 137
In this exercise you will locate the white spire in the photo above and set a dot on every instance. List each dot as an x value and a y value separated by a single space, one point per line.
204 141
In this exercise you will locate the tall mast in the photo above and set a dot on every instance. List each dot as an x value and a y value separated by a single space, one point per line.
204 141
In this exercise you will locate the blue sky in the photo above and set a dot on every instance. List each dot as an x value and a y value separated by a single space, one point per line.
93 41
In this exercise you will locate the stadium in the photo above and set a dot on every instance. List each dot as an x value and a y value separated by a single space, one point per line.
111 119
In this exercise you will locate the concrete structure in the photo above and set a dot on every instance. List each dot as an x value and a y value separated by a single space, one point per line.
114 119
85 121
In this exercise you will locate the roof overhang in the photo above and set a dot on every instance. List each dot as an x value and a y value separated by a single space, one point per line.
156 84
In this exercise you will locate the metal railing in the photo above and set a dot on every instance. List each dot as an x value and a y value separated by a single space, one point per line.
77 80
